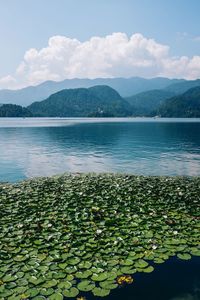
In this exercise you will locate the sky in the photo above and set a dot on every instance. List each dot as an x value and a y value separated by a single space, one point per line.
58 39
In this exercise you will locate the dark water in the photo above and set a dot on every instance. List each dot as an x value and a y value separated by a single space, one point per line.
40 147
173 280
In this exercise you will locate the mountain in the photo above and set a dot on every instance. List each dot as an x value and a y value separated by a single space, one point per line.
186 105
82 102
124 86
181 87
13 110
145 103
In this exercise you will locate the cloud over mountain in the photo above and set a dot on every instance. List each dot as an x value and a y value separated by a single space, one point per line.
115 55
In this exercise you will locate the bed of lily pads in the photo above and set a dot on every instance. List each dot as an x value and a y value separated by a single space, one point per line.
65 235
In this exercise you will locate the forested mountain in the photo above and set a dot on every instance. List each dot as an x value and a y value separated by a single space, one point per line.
95 101
124 86
103 101
181 87
144 104
13 110
186 105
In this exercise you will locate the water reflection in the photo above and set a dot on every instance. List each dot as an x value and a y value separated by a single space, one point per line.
56 146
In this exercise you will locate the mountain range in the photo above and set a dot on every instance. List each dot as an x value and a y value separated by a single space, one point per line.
181 98
124 86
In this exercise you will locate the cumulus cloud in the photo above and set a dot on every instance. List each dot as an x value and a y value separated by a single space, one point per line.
115 55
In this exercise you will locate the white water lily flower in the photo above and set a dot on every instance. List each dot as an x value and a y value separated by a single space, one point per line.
19 225
154 247
99 231
175 232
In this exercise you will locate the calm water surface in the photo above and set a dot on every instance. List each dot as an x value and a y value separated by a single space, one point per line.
40 147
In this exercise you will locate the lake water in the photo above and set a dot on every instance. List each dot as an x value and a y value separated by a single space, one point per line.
41 147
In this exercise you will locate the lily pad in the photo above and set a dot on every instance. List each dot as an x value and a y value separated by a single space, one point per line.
100 292
184 256
99 277
73 292
56 296
85 286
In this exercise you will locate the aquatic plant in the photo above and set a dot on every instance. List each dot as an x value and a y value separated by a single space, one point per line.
124 279
70 234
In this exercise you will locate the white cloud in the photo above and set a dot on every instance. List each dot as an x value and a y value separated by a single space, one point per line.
114 55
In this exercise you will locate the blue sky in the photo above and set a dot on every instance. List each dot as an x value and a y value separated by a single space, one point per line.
29 24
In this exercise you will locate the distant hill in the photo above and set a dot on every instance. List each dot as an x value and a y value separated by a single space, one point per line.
144 104
13 110
82 102
179 88
124 86
186 105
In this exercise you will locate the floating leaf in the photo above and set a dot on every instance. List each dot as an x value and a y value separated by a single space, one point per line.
65 285
85 286
56 296
73 292
184 256
99 277
50 283
97 291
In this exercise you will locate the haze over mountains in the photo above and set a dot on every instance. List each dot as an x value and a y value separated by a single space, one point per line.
124 86
159 96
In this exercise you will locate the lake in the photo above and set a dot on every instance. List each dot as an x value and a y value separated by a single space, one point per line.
146 146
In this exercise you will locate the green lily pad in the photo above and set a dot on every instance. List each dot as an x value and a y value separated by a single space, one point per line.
127 262
184 256
148 269
9 278
99 277
127 270
32 292
85 286
65 285
73 261
108 285
50 283
85 265
56 296
141 264
97 291
84 274
73 292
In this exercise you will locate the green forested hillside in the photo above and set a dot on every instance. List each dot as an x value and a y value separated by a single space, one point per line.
103 101
95 101
144 104
13 110
186 105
